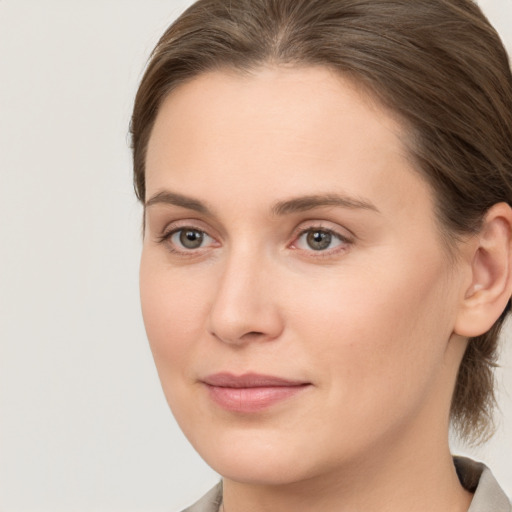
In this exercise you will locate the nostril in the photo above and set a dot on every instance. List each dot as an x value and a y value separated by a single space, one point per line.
252 335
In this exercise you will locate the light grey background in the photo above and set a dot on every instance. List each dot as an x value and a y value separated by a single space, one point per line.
83 422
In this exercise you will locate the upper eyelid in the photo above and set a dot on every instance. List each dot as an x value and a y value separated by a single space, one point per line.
343 239
321 228
189 223
168 233
324 225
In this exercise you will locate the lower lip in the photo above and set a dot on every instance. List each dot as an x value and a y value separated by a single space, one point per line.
256 399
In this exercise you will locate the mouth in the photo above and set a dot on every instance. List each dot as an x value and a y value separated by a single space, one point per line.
251 392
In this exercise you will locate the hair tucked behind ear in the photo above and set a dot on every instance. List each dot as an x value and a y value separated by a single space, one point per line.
438 64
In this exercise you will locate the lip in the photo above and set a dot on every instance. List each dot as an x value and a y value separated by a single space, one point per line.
250 392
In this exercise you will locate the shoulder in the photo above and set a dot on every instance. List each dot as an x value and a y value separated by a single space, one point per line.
478 479
210 502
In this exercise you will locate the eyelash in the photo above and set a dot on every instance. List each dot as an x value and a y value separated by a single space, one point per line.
344 241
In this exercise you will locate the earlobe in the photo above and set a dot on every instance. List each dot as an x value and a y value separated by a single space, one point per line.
491 274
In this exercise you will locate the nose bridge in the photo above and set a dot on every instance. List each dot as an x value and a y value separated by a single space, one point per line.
244 307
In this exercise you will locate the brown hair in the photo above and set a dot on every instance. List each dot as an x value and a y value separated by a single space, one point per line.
438 64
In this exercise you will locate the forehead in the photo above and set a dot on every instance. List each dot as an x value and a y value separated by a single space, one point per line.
276 98
294 130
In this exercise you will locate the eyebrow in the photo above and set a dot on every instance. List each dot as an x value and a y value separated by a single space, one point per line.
305 203
294 205
167 197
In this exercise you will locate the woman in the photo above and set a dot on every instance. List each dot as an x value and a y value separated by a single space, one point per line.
327 248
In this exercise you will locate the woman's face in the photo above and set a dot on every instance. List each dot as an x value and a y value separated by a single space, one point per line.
296 293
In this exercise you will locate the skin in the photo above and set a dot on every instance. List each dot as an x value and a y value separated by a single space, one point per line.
370 322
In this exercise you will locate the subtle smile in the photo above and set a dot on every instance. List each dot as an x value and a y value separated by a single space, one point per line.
250 392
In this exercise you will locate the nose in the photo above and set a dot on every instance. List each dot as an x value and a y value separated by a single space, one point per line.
244 308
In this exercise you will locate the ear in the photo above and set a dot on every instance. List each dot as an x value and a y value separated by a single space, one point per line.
490 288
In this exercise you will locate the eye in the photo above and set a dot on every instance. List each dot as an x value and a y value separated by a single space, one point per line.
189 239
318 239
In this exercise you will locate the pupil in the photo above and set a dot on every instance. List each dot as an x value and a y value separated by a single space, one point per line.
319 240
191 239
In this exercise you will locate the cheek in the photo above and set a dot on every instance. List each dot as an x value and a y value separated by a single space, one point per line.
173 312
378 333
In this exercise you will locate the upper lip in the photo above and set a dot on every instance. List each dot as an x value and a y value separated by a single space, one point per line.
249 380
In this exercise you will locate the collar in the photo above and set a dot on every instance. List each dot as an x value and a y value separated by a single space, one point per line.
478 479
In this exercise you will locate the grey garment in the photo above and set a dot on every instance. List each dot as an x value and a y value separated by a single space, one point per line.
474 476
210 502
478 479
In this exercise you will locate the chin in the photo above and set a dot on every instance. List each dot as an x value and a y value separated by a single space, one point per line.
249 468
257 458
